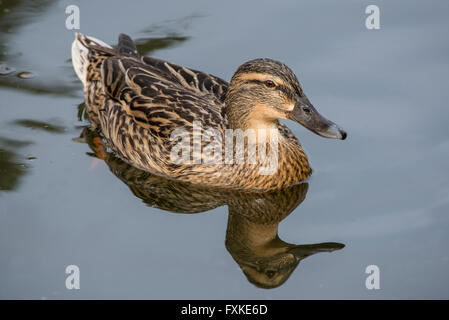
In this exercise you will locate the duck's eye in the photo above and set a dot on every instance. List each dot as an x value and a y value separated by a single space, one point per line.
270 84
270 273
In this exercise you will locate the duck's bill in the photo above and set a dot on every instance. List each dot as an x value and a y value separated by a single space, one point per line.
305 250
305 114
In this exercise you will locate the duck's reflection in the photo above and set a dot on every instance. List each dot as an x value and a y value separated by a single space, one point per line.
253 241
252 232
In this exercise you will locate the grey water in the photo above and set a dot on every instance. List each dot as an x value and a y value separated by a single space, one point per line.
381 197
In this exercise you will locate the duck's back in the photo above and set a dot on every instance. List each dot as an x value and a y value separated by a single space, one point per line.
114 72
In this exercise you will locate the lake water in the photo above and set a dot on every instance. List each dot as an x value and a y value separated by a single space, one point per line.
381 197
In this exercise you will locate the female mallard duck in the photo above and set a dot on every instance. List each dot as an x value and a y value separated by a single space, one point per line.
142 105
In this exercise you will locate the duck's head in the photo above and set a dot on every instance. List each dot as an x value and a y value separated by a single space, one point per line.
263 91
272 271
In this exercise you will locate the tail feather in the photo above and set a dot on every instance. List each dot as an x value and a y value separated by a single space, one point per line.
88 55
81 47
126 47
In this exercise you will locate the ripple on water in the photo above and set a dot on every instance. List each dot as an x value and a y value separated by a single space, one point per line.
5 70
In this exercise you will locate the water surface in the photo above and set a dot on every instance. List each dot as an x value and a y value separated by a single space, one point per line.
380 197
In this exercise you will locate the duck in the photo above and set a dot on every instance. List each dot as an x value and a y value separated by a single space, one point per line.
194 127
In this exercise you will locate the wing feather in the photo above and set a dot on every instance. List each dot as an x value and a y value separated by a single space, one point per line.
160 101
198 81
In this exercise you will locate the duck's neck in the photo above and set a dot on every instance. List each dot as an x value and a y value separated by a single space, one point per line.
291 164
260 239
256 117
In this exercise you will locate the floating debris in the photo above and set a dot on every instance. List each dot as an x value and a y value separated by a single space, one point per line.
31 158
5 70
25 75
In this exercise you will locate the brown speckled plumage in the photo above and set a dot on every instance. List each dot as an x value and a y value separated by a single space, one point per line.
136 103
